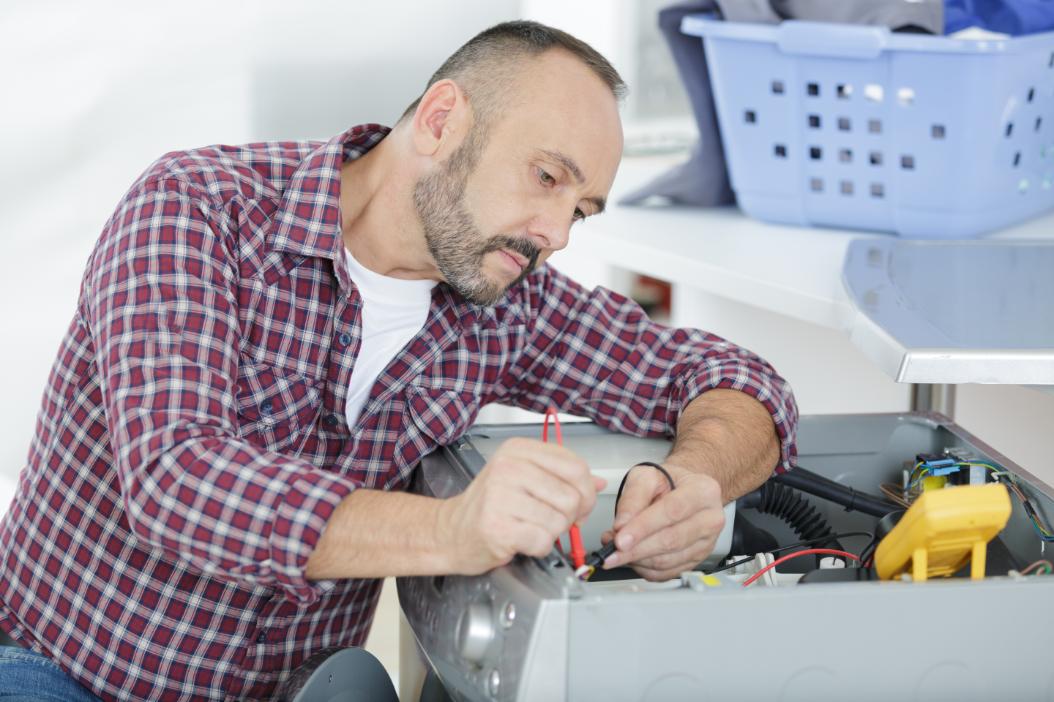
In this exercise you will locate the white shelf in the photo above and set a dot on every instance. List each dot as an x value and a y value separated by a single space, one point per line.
792 271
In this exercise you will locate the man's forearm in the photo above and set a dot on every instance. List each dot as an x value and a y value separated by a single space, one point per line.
374 534
729 436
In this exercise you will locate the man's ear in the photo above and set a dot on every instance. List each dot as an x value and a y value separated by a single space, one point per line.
441 118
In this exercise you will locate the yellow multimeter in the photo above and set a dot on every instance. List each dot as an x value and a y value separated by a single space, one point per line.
942 531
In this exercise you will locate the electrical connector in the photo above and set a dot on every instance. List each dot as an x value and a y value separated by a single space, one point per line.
595 560
944 470
936 460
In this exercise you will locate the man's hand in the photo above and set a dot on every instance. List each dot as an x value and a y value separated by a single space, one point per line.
726 446
662 532
528 494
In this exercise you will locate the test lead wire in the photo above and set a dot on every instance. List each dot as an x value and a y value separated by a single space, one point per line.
578 551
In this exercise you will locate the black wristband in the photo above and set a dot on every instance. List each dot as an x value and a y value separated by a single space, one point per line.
656 466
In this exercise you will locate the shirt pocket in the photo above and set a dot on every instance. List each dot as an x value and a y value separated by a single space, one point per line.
276 408
441 415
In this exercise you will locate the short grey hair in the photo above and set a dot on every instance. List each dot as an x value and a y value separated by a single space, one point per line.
485 66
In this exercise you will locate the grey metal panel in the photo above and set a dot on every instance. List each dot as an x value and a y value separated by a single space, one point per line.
944 639
950 640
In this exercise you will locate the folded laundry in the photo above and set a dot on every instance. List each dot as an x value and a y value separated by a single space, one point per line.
899 15
1014 17
703 179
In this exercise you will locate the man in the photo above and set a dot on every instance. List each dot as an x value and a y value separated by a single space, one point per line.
270 337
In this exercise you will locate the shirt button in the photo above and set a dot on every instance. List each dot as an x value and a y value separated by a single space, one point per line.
344 338
261 638
332 420
267 407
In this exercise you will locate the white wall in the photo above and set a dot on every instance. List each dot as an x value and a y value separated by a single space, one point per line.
93 92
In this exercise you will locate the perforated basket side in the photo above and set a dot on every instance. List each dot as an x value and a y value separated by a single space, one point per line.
855 127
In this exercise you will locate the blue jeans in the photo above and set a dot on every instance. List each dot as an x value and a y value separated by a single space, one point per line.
27 676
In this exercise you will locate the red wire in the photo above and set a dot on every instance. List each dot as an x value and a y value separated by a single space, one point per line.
578 551
825 551
551 412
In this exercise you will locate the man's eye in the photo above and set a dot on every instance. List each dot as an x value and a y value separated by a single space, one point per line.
545 178
579 215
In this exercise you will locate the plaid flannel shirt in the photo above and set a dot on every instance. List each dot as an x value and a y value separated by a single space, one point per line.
192 441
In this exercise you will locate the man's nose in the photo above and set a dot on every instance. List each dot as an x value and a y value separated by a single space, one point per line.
549 231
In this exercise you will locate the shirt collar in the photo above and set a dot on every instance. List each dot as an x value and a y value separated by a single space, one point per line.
308 220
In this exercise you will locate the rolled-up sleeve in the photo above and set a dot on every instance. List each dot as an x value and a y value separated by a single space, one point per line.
161 303
597 354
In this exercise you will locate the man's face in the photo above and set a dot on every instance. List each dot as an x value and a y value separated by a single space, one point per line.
454 240
493 211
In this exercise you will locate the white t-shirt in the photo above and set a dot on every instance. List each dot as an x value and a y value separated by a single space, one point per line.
393 312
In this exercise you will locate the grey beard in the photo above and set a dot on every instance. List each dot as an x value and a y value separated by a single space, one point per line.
454 241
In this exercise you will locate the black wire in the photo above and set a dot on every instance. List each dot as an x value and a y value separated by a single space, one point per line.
869 550
852 499
781 549
656 466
